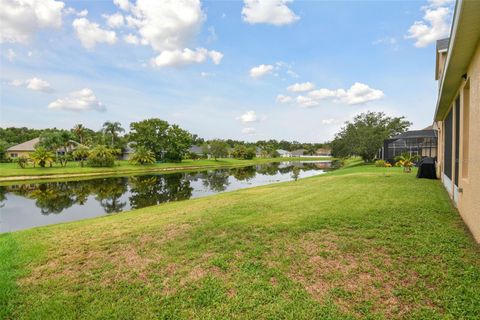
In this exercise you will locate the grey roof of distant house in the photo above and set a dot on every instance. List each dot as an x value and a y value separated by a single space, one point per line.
442 44
281 151
25 146
196 149
298 152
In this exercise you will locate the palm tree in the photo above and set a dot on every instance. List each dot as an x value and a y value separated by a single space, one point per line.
42 156
79 131
142 156
113 128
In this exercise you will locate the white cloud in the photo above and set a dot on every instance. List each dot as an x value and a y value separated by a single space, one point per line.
169 24
35 84
359 93
434 25
306 102
177 58
301 87
131 39
82 100
323 93
169 27
90 33
82 13
330 121
19 20
261 70
122 4
274 12
284 99
115 20
248 117
249 130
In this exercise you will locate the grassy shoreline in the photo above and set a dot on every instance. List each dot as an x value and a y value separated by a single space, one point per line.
11 172
360 242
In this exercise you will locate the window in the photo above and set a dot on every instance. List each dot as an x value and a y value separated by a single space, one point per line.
465 128
13 155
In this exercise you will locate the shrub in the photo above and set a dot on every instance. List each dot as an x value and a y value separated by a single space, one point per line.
380 163
22 161
81 153
241 151
41 156
142 156
101 156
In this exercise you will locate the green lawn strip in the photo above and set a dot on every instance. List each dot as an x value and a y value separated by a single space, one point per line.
359 242
11 170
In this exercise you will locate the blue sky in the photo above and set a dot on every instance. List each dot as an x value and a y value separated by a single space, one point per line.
220 69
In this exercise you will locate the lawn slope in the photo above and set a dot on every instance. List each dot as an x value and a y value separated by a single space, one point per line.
359 242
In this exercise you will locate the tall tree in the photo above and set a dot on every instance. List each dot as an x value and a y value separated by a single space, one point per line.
151 134
113 128
364 136
218 149
178 143
79 131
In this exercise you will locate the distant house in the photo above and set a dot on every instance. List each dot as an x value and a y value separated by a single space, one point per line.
198 150
128 151
25 148
421 143
299 152
324 152
284 153
258 152
22 149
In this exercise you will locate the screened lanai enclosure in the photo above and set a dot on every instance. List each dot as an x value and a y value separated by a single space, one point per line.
421 143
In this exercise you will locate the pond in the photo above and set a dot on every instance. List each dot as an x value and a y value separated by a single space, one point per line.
29 205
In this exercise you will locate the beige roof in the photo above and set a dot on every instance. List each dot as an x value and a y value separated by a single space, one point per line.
25 146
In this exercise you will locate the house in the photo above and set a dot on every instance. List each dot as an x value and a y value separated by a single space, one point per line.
258 152
324 152
22 149
198 150
457 113
25 148
299 152
127 151
422 143
284 153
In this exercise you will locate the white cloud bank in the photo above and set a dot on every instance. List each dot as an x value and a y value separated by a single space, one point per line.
83 100
35 84
115 20
358 93
91 33
19 20
435 24
169 27
261 70
274 12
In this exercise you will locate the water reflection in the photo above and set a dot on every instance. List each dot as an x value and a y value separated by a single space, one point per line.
73 200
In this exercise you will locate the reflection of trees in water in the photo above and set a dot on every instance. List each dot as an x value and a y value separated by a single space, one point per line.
270 169
244 173
52 199
153 190
3 196
216 180
109 191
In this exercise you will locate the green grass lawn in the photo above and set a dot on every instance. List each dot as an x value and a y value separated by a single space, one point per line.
74 168
361 242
